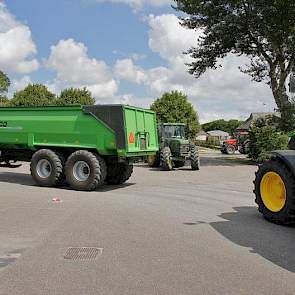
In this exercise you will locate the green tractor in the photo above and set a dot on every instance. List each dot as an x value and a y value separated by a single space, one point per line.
175 148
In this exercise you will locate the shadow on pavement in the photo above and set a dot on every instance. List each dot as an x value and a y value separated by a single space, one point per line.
247 228
26 179
224 161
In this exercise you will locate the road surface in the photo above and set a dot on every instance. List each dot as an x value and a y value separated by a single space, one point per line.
180 232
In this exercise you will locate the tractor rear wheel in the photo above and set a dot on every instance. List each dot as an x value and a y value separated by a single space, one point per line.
47 168
166 159
85 171
118 173
195 158
275 192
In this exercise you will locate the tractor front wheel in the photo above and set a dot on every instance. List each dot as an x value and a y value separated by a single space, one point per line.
195 158
275 192
230 149
166 159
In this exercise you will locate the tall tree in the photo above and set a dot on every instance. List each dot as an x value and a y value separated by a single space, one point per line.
263 30
33 95
75 96
174 107
4 85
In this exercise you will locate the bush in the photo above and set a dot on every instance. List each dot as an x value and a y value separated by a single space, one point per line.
265 138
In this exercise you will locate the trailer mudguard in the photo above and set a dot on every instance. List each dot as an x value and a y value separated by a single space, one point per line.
288 157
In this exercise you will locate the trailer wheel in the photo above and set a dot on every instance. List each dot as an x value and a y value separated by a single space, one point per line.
85 171
47 168
118 173
166 159
195 158
275 192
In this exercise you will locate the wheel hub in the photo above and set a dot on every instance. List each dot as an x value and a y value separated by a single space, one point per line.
273 191
44 168
81 171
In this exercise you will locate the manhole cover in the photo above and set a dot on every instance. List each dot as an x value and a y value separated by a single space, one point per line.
82 253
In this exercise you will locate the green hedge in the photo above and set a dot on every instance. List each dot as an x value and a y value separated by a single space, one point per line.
265 138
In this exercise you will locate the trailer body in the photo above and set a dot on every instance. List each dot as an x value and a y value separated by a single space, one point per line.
116 130
115 133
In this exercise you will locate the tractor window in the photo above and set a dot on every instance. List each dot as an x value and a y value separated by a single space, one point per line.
174 131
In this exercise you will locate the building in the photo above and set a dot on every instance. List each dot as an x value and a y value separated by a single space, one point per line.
218 135
202 136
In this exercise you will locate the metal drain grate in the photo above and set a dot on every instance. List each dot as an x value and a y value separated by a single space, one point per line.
82 253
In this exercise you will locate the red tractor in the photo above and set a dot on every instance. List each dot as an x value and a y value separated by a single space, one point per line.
239 143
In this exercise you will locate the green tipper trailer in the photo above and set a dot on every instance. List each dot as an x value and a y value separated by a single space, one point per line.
86 146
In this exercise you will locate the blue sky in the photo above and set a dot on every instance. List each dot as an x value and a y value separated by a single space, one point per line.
128 51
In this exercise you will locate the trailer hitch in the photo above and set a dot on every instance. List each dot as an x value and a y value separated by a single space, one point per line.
8 164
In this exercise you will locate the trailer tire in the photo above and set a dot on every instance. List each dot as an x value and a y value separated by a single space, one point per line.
166 159
118 173
85 171
47 168
275 192
195 158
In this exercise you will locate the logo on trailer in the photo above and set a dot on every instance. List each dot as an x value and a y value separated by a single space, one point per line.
3 124
131 138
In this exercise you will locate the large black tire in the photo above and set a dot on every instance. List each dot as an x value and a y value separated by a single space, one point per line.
118 173
154 160
287 214
85 171
47 168
230 149
195 158
166 159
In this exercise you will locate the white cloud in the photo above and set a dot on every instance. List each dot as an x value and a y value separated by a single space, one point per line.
138 4
125 69
16 45
20 84
74 68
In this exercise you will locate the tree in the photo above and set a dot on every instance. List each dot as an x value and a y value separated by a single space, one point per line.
174 107
226 126
4 85
33 95
263 30
75 96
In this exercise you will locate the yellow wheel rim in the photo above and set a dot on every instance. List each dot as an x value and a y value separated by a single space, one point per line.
273 191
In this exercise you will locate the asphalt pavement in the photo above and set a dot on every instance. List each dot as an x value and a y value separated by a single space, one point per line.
180 232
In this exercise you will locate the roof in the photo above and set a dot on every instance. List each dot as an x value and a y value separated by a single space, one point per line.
174 124
218 133
253 117
202 132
